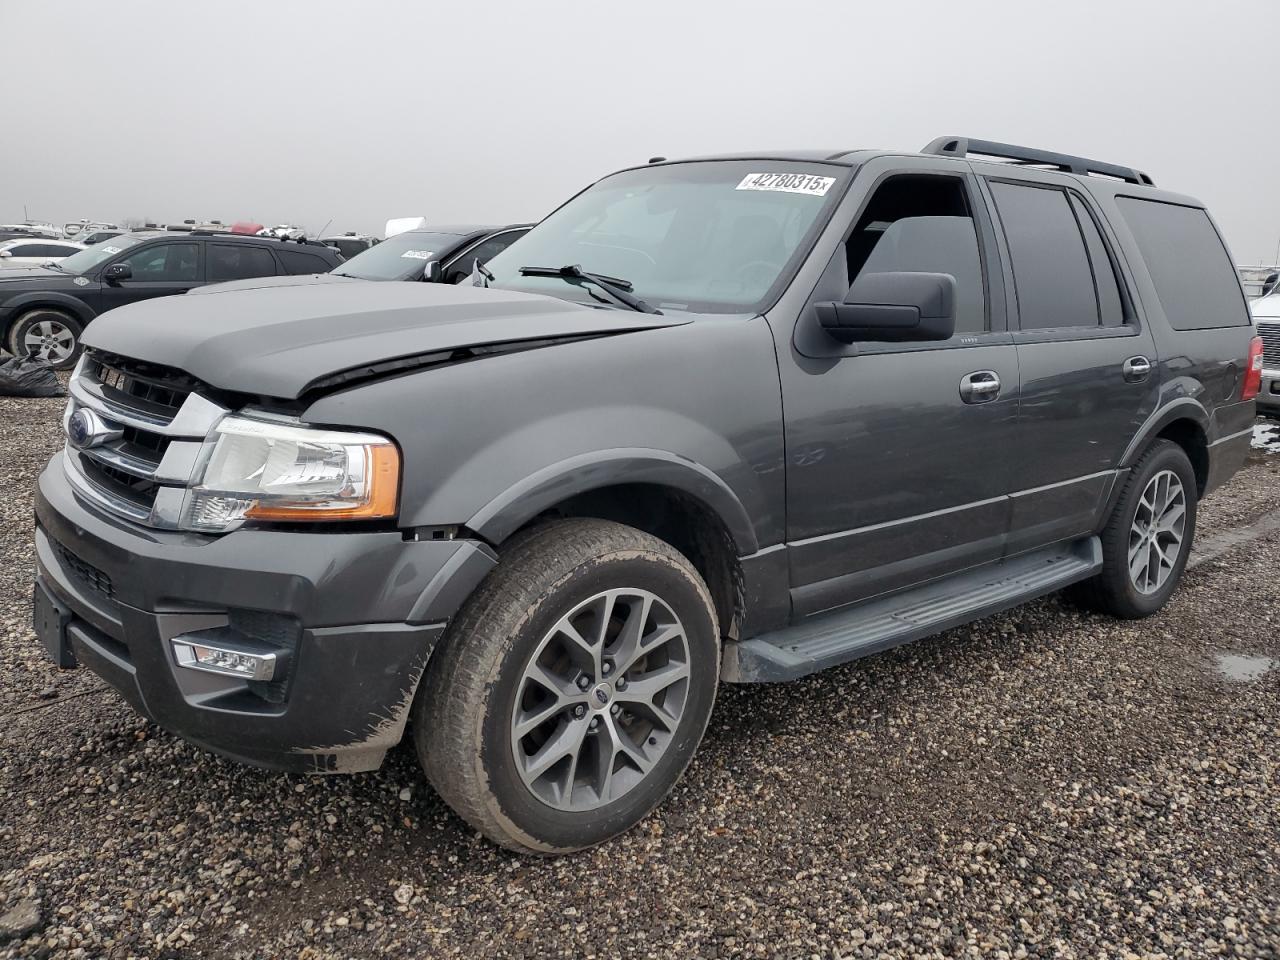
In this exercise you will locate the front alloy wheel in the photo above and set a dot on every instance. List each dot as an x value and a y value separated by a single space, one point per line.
600 699
572 688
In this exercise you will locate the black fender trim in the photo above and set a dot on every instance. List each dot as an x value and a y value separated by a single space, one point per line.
20 304
1183 408
509 511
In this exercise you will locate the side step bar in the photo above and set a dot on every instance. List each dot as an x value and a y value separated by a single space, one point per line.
875 625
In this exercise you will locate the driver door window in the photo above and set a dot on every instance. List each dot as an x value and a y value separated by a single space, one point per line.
166 263
919 224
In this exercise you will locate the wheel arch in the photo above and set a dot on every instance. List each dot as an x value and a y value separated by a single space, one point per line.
1185 422
25 303
676 500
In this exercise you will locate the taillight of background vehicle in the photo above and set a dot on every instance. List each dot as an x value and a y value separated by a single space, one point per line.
1253 370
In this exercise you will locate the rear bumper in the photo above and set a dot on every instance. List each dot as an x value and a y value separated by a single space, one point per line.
357 615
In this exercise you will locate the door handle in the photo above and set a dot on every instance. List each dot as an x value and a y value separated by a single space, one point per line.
982 386
1136 369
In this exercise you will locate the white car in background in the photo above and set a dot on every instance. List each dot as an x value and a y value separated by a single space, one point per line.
33 251
1266 317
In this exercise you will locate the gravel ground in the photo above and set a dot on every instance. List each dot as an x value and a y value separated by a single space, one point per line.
1044 783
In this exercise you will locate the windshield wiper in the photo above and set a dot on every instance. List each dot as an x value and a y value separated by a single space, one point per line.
616 289
50 265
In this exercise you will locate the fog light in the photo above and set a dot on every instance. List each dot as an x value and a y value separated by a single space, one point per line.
224 660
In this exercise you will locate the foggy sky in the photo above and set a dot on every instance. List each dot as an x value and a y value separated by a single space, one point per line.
307 111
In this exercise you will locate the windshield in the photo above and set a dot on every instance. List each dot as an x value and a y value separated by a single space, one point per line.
401 257
86 260
710 237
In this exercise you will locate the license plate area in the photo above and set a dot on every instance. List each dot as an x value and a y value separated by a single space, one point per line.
50 619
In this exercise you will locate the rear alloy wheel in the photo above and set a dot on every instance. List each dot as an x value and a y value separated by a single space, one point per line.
571 691
1148 536
48 335
1156 534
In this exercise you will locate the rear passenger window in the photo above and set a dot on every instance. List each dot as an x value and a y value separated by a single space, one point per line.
1051 272
298 261
1189 265
236 262
1110 303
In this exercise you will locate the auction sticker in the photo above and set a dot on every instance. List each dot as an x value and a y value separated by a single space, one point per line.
787 183
417 255
110 249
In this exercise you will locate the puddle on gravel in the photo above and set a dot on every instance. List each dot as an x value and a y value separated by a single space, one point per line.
1237 666
1266 436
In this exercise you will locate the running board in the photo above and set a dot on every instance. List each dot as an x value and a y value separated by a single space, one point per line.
847 634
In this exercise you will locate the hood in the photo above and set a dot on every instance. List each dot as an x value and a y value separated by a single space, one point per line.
276 341
38 275
262 283
1266 308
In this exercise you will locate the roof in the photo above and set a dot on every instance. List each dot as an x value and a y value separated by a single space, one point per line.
959 148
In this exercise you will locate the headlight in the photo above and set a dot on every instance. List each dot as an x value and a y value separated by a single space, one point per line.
264 470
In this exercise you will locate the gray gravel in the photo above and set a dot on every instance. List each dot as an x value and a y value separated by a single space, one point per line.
1045 783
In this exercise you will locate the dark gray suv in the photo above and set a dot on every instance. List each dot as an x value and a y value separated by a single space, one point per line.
729 419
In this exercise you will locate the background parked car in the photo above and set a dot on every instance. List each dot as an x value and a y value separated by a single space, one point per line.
23 252
1266 317
79 229
411 254
350 244
43 310
29 228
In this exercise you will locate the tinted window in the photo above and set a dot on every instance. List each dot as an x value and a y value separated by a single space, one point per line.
27 250
484 252
1110 304
236 261
166 263
299 261
1189 265
1051 272
48 250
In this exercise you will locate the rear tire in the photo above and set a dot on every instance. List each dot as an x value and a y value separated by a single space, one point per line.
1148 537
573 688
46 334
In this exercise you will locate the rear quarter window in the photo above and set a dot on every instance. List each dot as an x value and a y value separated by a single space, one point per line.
1189 264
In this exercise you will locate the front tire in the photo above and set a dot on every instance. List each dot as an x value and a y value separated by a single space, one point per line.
1147 539
573 688
49 335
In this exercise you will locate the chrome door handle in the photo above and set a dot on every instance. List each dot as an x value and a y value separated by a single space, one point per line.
981 386
1136 369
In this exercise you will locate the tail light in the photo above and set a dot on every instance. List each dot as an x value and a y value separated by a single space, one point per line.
1253 370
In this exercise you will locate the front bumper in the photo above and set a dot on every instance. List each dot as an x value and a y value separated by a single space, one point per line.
358 612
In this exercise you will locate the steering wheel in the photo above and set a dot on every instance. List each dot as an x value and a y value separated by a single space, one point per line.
743 274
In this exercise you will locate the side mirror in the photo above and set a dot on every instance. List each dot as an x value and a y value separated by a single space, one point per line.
1269 284
117 272
89 242
893 308
6 253
432 272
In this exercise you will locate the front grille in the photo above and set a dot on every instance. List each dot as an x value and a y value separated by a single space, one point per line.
150 424
87 573
149 386
1270 334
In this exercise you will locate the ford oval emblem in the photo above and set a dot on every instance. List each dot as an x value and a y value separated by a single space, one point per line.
85 430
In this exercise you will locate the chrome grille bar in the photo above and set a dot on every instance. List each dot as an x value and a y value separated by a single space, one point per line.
142 468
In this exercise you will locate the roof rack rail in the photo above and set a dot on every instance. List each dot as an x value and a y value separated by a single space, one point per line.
962 146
